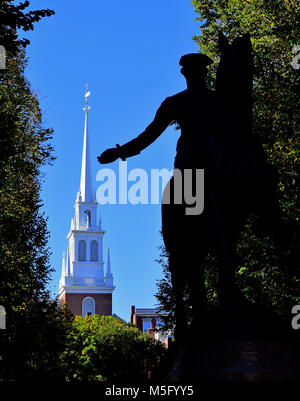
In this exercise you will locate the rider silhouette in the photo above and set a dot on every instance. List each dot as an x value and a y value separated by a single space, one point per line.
191 109
194 110
216 135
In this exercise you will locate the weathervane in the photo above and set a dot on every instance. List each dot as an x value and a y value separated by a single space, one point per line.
86 95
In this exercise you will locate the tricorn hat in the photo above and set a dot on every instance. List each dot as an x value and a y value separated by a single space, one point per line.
195 60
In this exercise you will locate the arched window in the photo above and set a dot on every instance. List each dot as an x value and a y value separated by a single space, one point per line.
88 217
94 251
81 251
88 306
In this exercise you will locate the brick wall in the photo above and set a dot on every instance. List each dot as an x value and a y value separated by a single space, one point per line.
103 303
139 321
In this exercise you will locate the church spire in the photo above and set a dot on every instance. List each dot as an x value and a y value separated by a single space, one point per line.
83 284
109 277
86 189
108 271
100 223
68 270
62 278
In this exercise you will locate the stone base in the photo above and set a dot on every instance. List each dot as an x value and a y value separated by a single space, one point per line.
241 361
245 344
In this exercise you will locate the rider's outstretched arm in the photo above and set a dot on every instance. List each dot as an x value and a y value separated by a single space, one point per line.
164 116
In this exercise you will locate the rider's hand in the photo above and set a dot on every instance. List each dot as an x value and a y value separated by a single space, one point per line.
108 156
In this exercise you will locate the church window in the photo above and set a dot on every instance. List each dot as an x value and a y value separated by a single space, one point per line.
146 324
94 251
88 217
158 323
82 251
88 306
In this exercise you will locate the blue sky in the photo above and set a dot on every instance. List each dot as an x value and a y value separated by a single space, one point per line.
128 53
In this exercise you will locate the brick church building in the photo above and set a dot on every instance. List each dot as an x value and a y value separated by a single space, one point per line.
85 285
149 320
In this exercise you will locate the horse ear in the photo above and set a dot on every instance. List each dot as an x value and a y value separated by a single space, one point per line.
247 40
247 36
223 43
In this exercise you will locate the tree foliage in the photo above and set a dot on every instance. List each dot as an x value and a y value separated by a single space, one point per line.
36 326
25 148
103 348
12 18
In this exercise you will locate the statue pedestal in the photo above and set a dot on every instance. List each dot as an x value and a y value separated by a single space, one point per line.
241 346
243 361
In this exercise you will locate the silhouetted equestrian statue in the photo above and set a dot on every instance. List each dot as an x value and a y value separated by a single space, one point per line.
216 135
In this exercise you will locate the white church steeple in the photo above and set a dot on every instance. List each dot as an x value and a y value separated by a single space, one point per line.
83 284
